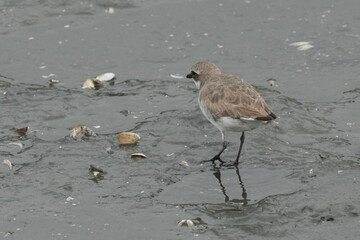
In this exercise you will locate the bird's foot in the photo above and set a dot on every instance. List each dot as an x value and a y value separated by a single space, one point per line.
216 157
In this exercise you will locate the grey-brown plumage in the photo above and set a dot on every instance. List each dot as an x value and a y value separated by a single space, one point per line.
228 102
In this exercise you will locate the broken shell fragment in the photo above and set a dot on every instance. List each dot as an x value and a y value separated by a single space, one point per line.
128 138
184 163
176 76
81 130
68 199
302 46
97 172
92 84
106 77
8 163
134 155
53 81
89 83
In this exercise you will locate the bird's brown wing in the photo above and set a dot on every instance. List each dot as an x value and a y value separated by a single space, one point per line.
232 97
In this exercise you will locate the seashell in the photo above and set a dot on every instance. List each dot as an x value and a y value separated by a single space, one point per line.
53 81
302 46
128 138
134 155
8 163
89 83
176 76
186 222
22 130
305 47
68 199
83 130
106 77
297 44
181 223
92 84
184 163
190 223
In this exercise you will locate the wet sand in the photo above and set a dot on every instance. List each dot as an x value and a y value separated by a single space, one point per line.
298 178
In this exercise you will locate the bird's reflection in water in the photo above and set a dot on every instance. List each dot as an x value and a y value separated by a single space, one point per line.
243 200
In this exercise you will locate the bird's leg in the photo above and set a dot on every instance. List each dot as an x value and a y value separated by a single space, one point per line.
217 156
242 139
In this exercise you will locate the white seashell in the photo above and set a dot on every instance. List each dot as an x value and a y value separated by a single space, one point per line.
176 76
53 81
8 163
296 44
110 10
105 77
184 163
305 47
190 223
48 76
187 222
138 155
182 222
128 137
68 199
89 83
302 46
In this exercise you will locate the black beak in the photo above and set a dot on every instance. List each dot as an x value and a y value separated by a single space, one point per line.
190 75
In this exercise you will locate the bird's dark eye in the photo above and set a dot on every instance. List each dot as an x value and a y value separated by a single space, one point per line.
194 73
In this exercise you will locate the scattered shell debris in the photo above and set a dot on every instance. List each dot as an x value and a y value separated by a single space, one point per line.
271 81
176 76
106 77
135 155
302 46
82 130
8 163
184 163
128 138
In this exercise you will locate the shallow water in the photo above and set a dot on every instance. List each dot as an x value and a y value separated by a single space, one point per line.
298 177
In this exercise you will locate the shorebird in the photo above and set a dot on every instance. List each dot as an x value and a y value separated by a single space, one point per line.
229 103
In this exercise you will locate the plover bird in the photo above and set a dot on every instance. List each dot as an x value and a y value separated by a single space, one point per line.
229 103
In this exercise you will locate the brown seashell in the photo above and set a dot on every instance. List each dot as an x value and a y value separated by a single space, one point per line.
128 138
22 130
134 155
